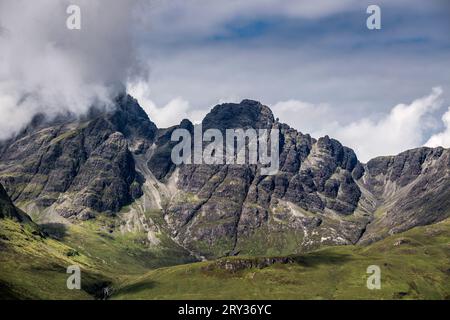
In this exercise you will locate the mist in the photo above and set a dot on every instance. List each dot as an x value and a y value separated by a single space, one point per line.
47 68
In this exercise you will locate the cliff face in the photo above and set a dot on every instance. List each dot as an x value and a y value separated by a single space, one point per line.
8 210
78 166
410 189
321 195
313 199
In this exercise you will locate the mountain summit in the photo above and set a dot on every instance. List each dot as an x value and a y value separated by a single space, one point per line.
247 114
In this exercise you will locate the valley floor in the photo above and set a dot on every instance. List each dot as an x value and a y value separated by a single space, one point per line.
414 265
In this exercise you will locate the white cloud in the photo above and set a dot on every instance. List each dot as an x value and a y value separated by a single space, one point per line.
441 139
316 120
404 127
168 115
44 67
203 75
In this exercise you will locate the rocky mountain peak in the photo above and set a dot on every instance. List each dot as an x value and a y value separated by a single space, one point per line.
89 157
130 119
247 114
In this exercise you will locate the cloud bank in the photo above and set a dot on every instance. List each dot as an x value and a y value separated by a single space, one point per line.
403 127
441 139
45 67
168 115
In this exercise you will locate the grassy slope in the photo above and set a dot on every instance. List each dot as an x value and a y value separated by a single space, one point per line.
419 268
122 253
34 267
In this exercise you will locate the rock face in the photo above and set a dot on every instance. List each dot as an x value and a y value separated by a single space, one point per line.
322 194
160 162
227 209
8 210
410 189
235 265
78 166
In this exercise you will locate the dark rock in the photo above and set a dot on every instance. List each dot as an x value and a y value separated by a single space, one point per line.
235 265
160 162
9 211
414 185
88 158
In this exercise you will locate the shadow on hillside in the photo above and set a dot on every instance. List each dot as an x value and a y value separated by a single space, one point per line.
97 287
7 292
48 267
309 260
56 231
138 287
315 259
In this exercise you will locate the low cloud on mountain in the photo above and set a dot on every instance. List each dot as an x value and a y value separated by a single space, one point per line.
45 67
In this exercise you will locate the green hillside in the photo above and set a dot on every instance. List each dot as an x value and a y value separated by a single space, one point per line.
414 265
33 262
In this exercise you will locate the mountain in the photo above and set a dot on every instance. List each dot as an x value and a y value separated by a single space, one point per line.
410 189
78 167
116 162
230 209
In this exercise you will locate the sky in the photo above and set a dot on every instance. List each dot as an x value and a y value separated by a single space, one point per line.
315 63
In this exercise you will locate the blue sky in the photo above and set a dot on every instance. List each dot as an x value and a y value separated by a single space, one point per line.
323 57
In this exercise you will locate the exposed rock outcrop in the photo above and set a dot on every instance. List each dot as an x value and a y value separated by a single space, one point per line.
79 166
411 189
9 211
225 209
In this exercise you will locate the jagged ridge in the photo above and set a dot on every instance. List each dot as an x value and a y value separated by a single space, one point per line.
78 167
